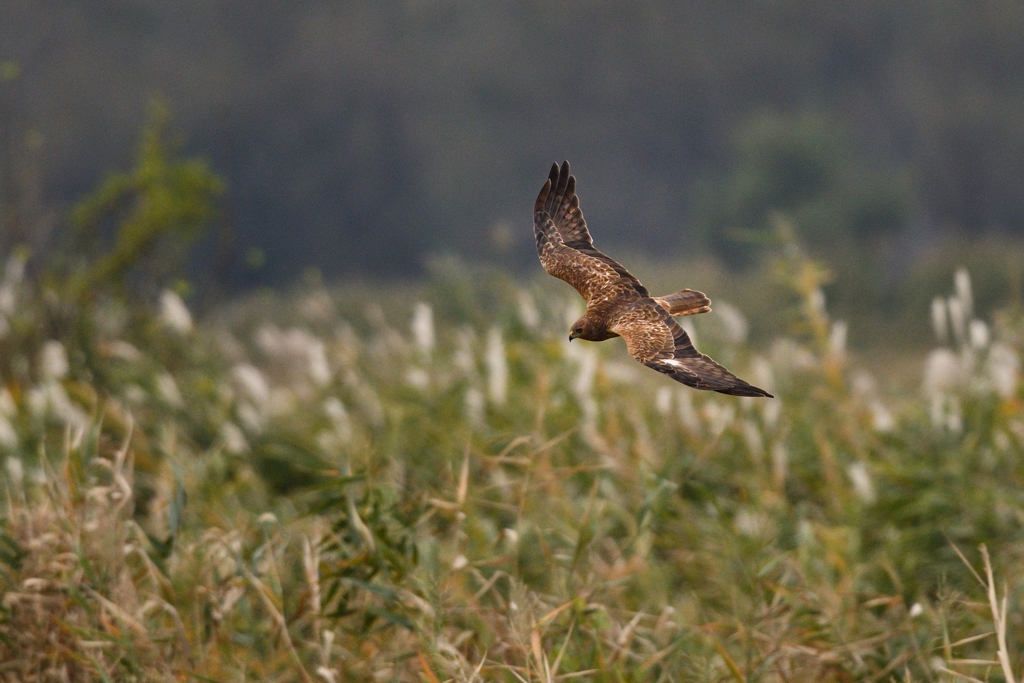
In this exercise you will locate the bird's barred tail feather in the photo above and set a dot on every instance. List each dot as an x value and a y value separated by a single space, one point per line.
686 302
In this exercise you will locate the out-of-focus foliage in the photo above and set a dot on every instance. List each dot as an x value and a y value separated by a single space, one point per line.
433 484
358 136
429 483
81 311
134 232
804 168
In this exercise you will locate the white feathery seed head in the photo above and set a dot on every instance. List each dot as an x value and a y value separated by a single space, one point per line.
787 356
754 440
780 463
423 328
942 372
955 415
979 334
584 384
816 302
8 437
15 470
762 374
51 398
863 486
297 350
417 378
687 413
53 361
464 358
167 390
1003 369
319 368
233 438
958 319
940 321
174 313
663 401
881 417
946 413
863 384
252 382
528 310
771 411
474 406
837 337
719 416
733 321
962 285
750 522
497 367
573 311
336 413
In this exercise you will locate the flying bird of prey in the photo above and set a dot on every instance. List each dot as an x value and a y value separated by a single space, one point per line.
617 304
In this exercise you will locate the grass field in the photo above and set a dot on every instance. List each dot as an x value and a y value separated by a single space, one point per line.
343 485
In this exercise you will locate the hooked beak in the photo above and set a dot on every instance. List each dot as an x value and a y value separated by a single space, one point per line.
572 335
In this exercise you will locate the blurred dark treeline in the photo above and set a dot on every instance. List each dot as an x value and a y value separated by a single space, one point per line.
357 137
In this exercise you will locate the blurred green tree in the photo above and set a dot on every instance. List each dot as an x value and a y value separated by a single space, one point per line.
133 234
803 167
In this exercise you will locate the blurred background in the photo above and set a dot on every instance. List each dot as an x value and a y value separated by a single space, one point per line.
268 287
364 139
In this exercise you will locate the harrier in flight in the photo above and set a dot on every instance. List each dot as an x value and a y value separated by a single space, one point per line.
617 304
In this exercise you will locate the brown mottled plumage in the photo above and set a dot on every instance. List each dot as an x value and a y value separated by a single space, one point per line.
617 304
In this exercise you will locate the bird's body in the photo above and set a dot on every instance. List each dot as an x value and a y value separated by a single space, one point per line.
617 304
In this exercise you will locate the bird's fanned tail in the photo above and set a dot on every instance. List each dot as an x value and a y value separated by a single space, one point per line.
686 302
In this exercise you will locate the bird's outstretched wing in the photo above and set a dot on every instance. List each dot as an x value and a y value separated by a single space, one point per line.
595 280
655 339
566 249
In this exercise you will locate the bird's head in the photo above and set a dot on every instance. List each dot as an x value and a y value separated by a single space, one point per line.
589 329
